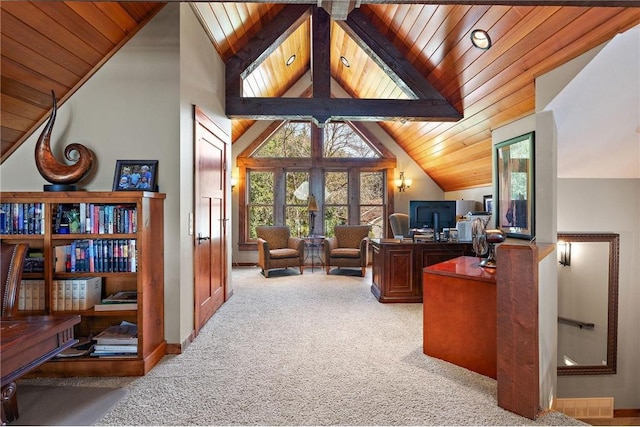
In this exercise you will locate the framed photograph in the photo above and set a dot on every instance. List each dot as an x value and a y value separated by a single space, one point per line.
488 203
136 175
514 210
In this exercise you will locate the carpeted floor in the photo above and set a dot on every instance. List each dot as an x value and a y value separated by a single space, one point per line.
311 350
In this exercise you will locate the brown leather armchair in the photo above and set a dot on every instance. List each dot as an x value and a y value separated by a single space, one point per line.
347 247
277 249
12 258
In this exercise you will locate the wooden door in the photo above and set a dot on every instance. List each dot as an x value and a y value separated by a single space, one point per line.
210 219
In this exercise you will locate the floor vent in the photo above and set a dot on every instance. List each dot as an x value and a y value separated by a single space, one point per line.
585 407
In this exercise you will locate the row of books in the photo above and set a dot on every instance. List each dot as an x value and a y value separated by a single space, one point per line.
98 218
22 218
78 293
31 295
29 218
115 341
97 256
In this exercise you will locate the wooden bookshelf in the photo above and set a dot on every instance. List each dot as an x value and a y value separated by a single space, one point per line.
147 279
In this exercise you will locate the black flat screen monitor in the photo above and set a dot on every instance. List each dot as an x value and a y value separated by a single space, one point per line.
421 214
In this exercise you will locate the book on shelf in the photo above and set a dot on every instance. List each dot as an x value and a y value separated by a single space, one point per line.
31 295
121 297
76 294
111 348
83 347
116 306
124 333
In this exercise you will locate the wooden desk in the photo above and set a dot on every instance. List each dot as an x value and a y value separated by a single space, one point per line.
460 316
398 264
25 343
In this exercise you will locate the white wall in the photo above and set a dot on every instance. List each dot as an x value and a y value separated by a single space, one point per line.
545 211
609 205
127 110
201 84
606 121
139 106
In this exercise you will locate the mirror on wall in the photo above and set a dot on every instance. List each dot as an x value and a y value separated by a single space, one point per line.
587 303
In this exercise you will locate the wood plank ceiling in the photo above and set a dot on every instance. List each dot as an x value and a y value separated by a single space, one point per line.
60 44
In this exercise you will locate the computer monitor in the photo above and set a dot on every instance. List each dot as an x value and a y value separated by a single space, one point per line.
432 214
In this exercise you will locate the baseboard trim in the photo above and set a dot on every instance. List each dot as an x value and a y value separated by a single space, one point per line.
626 413
173 348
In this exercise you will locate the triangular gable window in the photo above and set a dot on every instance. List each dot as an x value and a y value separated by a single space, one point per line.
293 140
340 140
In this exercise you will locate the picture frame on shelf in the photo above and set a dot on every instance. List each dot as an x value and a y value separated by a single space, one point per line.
488 203
515 207
136 175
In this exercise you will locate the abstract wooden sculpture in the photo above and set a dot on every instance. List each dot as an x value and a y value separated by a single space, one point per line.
50 168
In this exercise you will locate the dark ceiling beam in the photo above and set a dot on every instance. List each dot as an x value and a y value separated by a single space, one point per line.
323 110
262 45
320 61
388 57
427 105
338 9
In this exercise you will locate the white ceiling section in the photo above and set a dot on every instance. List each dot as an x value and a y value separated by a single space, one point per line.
598 114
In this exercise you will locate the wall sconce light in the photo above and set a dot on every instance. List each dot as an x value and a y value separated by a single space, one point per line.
480 39
234 177
403 183
564 248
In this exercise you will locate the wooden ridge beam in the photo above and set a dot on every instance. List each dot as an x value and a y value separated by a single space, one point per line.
323 110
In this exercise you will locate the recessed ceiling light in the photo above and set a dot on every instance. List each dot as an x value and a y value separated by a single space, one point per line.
480 39
345 61
290 60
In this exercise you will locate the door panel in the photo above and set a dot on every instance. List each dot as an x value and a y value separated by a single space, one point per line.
210 248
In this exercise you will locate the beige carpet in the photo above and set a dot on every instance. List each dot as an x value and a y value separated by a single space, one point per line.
311 350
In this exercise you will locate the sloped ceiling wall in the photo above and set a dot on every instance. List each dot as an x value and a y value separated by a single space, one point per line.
598 114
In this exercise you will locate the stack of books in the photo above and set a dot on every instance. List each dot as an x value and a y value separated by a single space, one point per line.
117 341
124 300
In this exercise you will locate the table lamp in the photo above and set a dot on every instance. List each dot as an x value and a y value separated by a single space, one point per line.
312 207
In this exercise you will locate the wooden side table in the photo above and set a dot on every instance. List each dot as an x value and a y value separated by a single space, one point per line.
313 248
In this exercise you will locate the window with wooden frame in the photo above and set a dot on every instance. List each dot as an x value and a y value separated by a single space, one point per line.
341 164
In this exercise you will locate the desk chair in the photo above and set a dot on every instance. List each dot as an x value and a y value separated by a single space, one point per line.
399 224
12 259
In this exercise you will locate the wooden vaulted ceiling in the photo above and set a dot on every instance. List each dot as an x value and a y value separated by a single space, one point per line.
59 45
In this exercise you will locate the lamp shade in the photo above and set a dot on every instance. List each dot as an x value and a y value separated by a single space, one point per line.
313 205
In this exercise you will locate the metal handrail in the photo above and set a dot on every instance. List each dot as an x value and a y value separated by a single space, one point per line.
577 323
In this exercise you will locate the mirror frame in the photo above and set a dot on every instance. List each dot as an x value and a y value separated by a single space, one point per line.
612 311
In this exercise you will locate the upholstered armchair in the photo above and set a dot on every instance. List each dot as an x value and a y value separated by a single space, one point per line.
277 249
347 247
399 224
12 260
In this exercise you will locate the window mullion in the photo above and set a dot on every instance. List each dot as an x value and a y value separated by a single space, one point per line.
279 196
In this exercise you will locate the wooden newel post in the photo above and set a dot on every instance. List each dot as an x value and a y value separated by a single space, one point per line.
517 329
